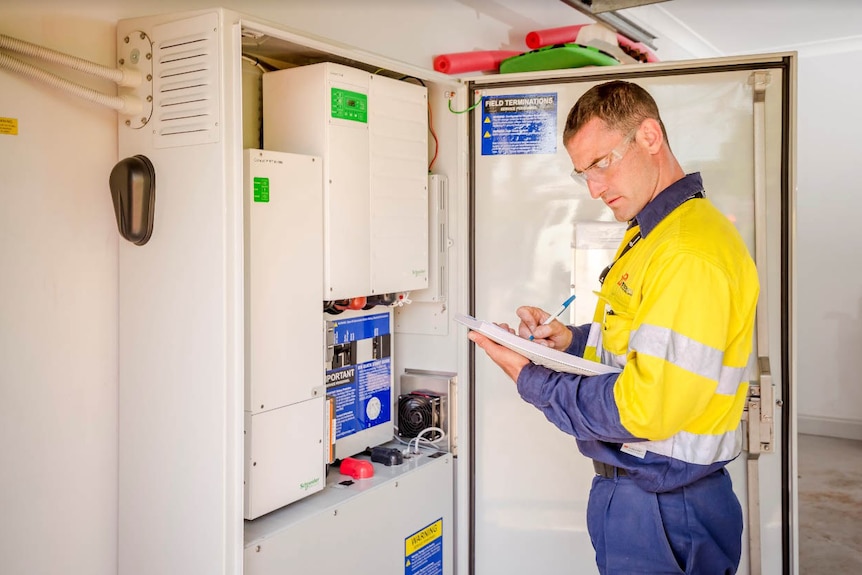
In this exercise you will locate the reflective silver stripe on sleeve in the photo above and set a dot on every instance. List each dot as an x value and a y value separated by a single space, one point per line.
698 449
613 360
594 339
690 355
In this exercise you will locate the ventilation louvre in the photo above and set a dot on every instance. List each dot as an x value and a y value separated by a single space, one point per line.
186 82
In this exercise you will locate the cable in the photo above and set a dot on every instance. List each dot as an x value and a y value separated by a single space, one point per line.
463 111
121 76
256 63
124 104
412 78
433 135
431 444
432 441
430 126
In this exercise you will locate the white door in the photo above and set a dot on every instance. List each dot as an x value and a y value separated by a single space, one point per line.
539 237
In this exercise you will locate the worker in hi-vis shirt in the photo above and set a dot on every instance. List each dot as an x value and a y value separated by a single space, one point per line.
676 314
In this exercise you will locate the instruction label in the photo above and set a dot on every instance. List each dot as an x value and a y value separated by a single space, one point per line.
519 124
348 105
362 387
9 126
423 551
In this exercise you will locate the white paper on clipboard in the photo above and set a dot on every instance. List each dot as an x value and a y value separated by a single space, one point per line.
538 354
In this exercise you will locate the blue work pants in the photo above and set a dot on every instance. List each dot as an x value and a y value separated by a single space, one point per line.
692 530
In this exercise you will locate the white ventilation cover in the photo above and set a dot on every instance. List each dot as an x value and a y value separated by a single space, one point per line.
186 82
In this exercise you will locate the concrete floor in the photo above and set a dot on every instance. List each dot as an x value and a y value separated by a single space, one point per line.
830 506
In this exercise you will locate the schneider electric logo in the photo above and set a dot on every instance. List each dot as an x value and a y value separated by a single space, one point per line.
306 485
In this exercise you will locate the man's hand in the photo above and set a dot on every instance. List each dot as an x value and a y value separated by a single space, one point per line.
509 361
554 335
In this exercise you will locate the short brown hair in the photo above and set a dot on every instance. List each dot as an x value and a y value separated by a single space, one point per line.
622 106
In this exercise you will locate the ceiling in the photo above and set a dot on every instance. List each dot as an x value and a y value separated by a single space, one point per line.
746 26
703 28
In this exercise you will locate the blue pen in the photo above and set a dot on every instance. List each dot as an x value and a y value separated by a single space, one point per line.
552 317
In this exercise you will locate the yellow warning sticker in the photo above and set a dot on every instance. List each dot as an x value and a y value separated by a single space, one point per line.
9 126
423 551
423 537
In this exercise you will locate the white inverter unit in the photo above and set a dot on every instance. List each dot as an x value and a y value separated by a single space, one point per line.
286 419
372 133
283 247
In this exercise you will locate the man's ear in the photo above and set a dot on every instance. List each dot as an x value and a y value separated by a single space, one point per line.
650 135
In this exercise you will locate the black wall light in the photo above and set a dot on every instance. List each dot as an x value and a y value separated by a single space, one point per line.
133 190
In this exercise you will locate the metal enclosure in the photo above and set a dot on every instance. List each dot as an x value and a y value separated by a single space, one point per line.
181 314
368 526
182 302
512 500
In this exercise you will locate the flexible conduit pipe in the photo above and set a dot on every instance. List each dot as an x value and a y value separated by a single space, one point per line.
120 76
124 104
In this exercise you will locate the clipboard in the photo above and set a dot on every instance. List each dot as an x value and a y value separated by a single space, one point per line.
539 354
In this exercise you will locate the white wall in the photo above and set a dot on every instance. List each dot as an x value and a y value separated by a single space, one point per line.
58 315
829 280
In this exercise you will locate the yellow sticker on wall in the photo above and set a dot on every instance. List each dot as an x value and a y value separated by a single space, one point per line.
423 551
9 126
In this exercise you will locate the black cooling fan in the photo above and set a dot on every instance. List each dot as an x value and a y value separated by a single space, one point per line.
418 411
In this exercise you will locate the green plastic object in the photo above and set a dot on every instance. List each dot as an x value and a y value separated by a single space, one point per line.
557 57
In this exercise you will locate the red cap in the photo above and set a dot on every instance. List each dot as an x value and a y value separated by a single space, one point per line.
356 468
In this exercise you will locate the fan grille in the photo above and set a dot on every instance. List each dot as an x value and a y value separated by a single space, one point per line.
418 411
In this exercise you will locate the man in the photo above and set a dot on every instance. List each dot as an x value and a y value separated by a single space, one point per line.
676 315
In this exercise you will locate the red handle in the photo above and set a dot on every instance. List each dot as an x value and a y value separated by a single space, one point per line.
356 468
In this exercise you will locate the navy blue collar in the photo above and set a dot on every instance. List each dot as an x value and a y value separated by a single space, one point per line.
667 201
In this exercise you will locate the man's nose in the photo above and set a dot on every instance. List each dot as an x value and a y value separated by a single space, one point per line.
596 189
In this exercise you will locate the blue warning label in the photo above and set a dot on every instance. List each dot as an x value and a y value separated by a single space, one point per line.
362 396
362 384
423 551
519 124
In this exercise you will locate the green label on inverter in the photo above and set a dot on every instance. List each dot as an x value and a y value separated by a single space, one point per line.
261 189
348 105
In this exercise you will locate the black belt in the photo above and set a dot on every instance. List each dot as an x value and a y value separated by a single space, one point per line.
608 471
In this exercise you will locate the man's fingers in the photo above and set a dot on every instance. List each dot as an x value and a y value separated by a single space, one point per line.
478 339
